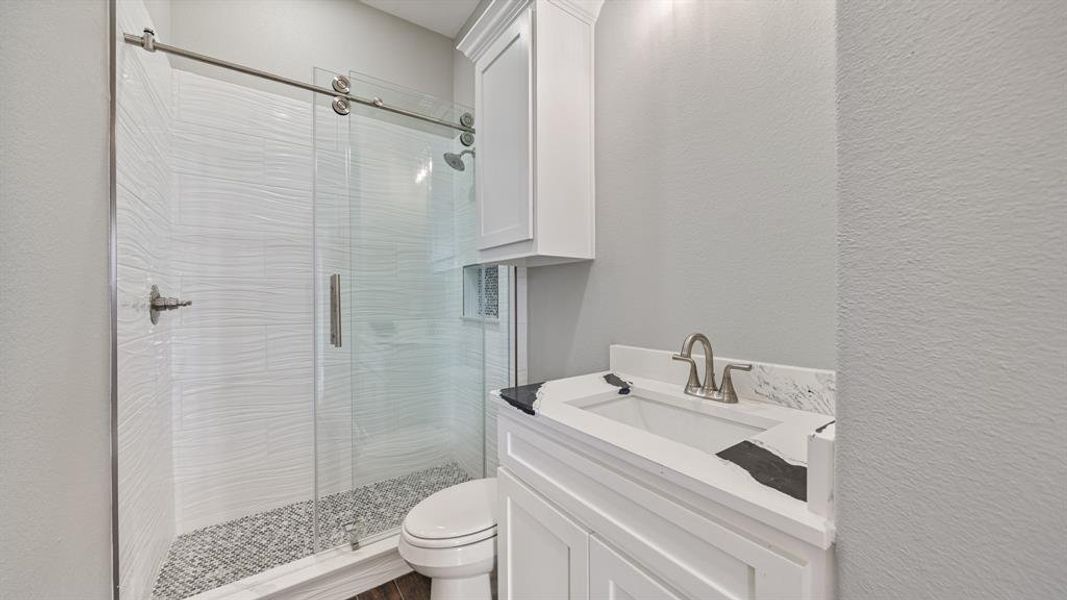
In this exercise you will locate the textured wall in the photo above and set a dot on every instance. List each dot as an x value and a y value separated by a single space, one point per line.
145 195
54 321
952 285
715 173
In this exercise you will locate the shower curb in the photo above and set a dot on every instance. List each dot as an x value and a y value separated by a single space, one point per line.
339 573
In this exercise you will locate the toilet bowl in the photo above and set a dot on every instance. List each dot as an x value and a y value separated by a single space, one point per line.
450 537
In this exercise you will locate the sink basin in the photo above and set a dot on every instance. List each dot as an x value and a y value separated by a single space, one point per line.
692 422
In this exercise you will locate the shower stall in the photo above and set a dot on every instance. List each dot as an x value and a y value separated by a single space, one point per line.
323 360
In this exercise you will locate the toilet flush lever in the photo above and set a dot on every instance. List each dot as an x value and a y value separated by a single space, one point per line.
158 303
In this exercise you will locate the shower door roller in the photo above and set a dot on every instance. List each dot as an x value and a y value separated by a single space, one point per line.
341 84
341 106
335 310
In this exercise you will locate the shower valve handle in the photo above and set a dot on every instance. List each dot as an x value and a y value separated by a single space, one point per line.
158 302
162 303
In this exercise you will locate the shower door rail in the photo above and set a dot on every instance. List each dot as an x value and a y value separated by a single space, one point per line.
340 91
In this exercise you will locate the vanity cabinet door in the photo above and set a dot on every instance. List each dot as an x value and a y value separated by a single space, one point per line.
543 555
612 577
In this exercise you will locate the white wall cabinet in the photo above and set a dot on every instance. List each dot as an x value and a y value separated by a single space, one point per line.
534 178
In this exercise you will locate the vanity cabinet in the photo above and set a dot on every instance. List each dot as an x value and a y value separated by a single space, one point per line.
612 576
578 520
534 184
542 553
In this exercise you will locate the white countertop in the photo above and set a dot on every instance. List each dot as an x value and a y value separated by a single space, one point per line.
715 478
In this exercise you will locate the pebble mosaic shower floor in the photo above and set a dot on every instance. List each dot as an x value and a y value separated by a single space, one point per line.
210 557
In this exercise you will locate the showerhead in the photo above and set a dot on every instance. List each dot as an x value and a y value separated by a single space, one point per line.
456 160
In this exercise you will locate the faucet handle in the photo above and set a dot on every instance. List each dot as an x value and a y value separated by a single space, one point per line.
729 394
694 377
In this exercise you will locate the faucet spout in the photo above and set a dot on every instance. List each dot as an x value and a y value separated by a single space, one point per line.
693 386
709 390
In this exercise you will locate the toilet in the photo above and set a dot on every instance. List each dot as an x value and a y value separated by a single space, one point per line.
450 537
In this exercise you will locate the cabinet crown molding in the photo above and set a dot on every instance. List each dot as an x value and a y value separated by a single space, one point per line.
500 13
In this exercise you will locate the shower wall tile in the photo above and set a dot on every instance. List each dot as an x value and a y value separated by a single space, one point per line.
264 399
466 415
243 256
246 300
244 355
287 165
145 191
218 351
219 155
244 471
221 207
331 168
230 467
290 349
218 106
146 494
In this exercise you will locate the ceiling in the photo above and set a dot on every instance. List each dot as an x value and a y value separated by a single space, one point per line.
443 16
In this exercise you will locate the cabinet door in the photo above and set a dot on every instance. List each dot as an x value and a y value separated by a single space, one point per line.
543 554
503 87
612 577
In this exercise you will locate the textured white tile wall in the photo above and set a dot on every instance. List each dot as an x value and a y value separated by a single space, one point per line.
243 355
145 194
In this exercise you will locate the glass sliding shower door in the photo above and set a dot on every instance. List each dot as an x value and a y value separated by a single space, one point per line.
401 378
248 437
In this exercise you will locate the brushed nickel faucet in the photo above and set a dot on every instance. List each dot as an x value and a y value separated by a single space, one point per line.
708 390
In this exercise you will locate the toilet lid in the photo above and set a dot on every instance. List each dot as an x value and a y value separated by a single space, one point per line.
454 512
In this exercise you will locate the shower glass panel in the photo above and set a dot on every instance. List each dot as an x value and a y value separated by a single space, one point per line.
400 388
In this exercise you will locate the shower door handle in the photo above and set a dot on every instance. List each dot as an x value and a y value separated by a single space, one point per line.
335 310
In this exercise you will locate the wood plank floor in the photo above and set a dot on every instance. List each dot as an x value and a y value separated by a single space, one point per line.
408 587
